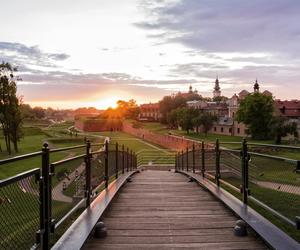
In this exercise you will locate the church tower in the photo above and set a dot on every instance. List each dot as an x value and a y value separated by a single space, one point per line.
217 89
190 89
256 87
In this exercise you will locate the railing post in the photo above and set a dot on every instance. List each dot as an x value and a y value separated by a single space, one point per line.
187 159
123 159
131 160
245 175
127 158
218 175
203 159
46 199
134 161
135 158
298 167
117 160
88 173
176 162
182 161
193 157
106 177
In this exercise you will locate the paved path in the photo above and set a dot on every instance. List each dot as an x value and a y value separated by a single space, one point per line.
57 191
279 187
162 210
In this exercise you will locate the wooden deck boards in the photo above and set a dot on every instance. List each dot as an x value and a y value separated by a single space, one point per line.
162 210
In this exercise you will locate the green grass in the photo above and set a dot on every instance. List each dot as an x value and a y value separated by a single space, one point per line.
285 203
155 127
145 152
19 214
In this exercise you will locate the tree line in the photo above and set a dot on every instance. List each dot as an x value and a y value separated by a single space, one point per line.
10 114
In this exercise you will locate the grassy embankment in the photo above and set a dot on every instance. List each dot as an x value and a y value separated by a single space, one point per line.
147 153
35 135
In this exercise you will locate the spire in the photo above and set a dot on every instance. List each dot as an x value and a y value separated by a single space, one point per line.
217 89
217 86
190 88
256 86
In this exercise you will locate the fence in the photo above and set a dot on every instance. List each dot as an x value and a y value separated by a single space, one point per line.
269 181
37 205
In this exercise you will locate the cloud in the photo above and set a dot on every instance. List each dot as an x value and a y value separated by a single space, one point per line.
22 55
41 85
228 26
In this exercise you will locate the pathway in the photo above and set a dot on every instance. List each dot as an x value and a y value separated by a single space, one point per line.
278 186
162 210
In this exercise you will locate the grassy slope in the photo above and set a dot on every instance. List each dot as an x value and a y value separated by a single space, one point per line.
276 200
33 139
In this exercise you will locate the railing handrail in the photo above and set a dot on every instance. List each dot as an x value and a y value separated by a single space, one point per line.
273 145
274 157
19 177
20 157
66 148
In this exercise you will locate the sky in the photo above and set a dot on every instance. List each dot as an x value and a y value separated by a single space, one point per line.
76 53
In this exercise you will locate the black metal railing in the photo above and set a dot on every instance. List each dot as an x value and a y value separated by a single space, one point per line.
261 174
36 206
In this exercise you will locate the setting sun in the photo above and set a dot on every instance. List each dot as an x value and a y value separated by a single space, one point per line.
110 102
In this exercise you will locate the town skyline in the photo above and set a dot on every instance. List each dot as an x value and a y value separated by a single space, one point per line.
81 55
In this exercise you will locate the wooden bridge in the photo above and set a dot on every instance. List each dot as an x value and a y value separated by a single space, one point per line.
139 207
163 210
169 210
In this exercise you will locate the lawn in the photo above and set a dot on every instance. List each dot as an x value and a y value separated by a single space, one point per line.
33 140
284 203
147 153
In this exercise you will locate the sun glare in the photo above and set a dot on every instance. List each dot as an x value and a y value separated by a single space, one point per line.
105 103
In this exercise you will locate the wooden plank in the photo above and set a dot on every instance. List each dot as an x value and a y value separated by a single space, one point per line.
80 230
162 210
184 246
275 237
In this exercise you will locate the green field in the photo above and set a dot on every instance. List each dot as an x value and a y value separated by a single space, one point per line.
147 153
34 138
285 203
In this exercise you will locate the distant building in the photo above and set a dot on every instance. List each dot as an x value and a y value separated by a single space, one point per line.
197 104
288 109
217 89
226 111
149 112
256 87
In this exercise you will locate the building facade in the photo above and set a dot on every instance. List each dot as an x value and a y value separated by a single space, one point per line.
226 110
149 112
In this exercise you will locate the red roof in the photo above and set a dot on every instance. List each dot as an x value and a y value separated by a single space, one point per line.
288 108
149 106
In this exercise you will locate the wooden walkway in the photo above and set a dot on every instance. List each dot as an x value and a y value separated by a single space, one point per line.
162 210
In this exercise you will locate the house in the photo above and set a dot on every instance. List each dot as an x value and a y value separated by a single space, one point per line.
149 112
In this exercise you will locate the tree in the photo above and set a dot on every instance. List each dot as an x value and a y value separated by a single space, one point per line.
185 118
197 122
256 111
169 103
172 118
26 112
281 127
207 121
128 110
10 115
39 112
